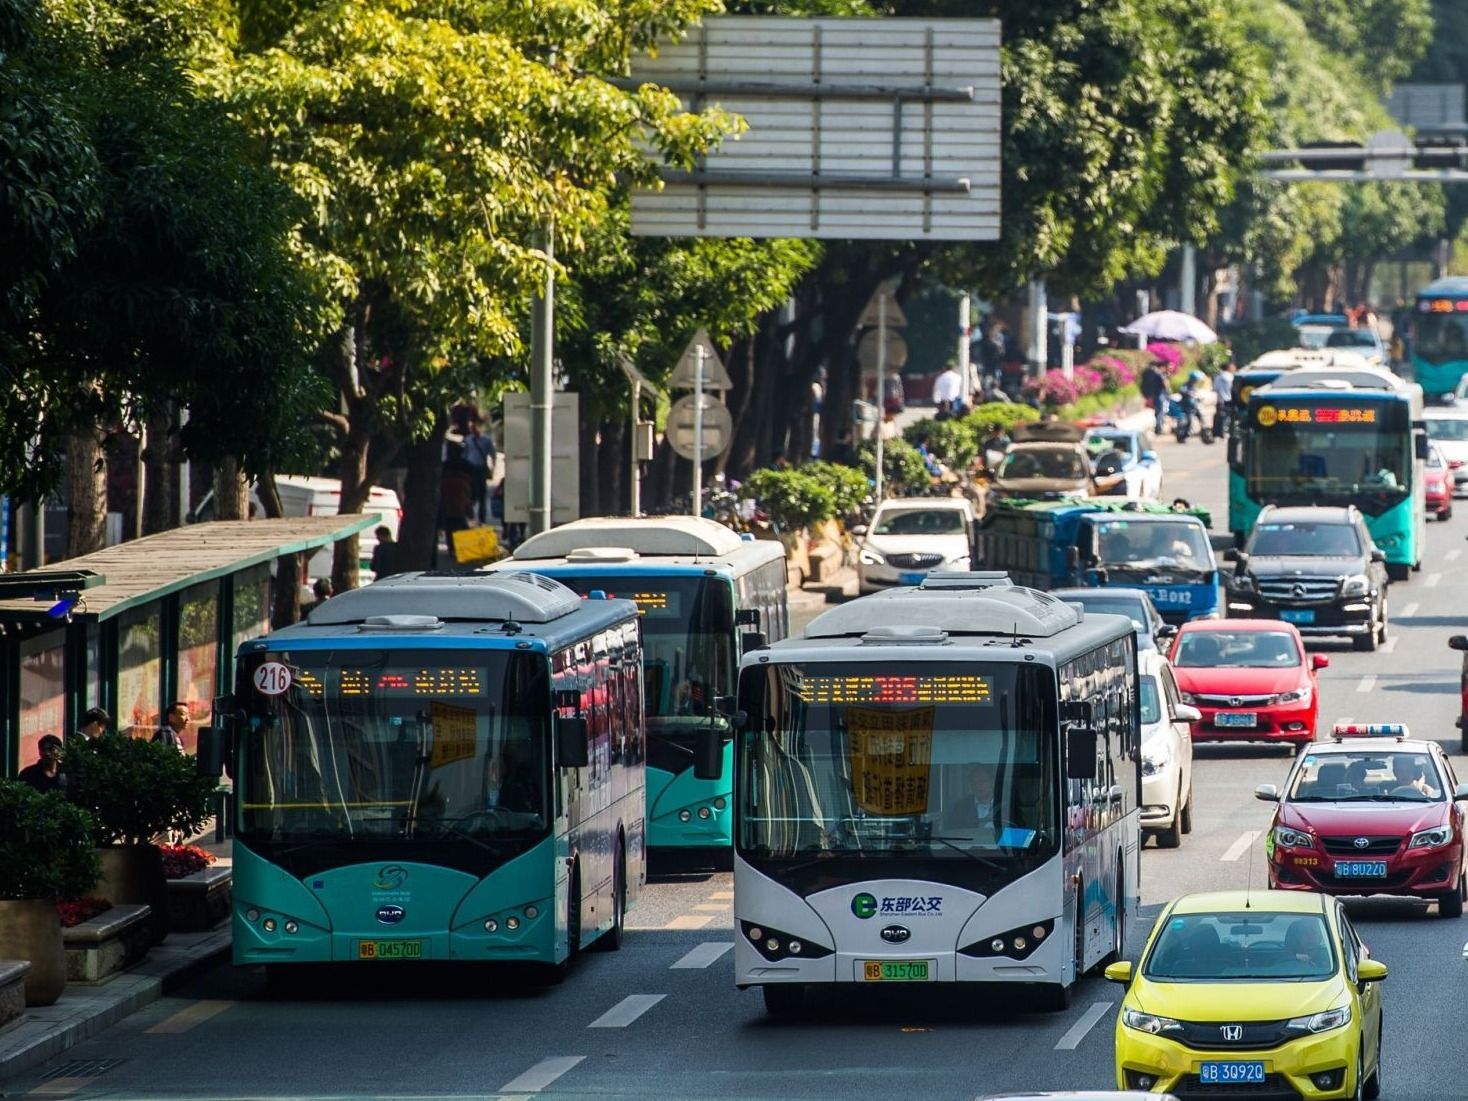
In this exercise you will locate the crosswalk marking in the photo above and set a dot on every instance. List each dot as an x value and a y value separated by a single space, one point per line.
705 955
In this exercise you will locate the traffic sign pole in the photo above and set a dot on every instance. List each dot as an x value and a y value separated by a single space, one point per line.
698 433
881 382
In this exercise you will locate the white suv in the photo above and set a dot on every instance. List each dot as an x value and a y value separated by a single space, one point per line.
1167 752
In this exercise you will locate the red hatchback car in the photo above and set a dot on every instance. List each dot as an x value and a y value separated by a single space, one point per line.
1251 679
1372 812
1438 484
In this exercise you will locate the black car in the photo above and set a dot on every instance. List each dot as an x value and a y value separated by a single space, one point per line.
1316 568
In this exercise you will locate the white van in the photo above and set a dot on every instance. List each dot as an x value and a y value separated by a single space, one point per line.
302 495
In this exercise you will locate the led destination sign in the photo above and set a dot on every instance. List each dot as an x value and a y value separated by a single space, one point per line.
1270 416
934 688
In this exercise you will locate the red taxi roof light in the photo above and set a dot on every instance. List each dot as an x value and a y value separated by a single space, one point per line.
1369 730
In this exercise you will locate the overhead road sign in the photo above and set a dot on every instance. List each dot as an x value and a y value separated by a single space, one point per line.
882 129
1388 155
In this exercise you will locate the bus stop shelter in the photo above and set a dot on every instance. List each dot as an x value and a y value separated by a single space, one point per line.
136 626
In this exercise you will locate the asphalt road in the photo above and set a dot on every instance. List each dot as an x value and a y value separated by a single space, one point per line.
660 1021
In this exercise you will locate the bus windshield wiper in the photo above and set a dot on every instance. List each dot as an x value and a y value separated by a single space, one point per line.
986 861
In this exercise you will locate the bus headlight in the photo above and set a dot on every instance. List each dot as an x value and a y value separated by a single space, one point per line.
1014 944
491 926
292 927
774 945
685 815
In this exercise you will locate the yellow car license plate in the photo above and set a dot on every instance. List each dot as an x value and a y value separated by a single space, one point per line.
389 949
896 970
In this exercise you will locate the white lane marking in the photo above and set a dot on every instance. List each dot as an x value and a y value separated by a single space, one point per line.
715 907
541 1075
1077 1032
1367 683
190 1016
689 921
722 894
1452 555
1241 846
1389 645
1345 720
1432 580
627 1010
1410 609
705 955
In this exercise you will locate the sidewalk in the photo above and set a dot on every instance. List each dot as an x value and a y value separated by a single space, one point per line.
84 1011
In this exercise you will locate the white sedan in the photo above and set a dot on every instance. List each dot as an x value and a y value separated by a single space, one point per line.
1448 428
1167 752
911 536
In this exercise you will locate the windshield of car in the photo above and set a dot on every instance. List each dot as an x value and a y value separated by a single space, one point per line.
1325 539
1248 944
1441 337
1042 463
1367 775
1351 338
1098 442
1312 337
919 521
1237 650
1151 698
1160 542
1124 606
1448 428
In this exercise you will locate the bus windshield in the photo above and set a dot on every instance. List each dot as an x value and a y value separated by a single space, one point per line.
688 656
1310 454
361 745
931 760
1441 337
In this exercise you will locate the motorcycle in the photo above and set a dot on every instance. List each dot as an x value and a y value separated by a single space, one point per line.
1184 410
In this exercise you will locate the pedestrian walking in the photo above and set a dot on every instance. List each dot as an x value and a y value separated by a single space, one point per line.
1154 393
46 774
480 455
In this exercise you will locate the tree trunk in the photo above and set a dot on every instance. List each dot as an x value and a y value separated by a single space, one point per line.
86 484
158 468
418 531
285 604
588 454
613 460
231 494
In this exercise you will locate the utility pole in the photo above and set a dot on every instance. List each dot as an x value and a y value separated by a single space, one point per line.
881 382
542 392
964 368
698 430
1187 281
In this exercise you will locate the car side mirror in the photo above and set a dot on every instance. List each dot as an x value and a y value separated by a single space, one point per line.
571 748
1378 555
708 755
1149 456
1267 793
1319 661
1183 713
1121 970
859 529
1080 753
1167 630
1370 971
1458 642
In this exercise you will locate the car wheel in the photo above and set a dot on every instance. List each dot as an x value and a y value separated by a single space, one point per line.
1450 905
1172 836
1384 617
1365 643
1187 812
1359 1093
1372 1090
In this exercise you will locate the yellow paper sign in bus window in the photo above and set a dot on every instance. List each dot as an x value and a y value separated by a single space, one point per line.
453 734
891 758
480 544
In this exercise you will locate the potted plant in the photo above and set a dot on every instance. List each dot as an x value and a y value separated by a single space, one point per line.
46 853
138 792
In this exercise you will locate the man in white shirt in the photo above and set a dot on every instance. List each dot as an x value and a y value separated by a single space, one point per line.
948 389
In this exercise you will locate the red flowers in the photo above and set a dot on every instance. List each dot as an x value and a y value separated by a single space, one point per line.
74 911
182 860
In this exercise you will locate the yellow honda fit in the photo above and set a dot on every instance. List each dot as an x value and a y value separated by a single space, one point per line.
1269 991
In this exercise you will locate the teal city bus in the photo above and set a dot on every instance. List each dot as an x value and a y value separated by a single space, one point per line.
1261 372
438 768
1337 436
1440 336
705 595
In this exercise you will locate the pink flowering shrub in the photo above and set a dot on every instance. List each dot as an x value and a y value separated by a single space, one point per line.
1169 354
1116 372
1052 389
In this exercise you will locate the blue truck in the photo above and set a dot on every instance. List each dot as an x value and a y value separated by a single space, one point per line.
1099 543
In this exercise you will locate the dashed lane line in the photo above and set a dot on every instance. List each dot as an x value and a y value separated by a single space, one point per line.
1366 683
722 895
1389 645
1430 582
627 1010
715 907
689 921
189 1017
1077 1032
538 1077
1240 846
705 955
1410 609
1452 555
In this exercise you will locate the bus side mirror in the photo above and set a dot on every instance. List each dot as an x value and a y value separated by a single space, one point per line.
1236 452
1080 753
746 617
213 748
571 748
708 755
1419 439
753 640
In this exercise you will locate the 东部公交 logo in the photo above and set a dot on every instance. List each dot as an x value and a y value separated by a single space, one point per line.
864 905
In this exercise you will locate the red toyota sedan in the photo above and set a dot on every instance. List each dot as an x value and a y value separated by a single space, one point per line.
1437 484
1251 679
1372 812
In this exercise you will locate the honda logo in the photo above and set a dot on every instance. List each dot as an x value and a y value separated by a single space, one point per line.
1236 701
1233 1033
1362 842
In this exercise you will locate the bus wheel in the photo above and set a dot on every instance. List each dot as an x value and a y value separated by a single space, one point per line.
783 999
611 940
1398 571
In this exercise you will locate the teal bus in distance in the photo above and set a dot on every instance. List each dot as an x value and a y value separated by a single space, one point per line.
1440 336
439 768
1336 436
705 595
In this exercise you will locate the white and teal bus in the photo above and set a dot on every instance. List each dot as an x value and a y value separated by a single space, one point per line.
438 768
704 594
1337 436
937 784
1439 337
